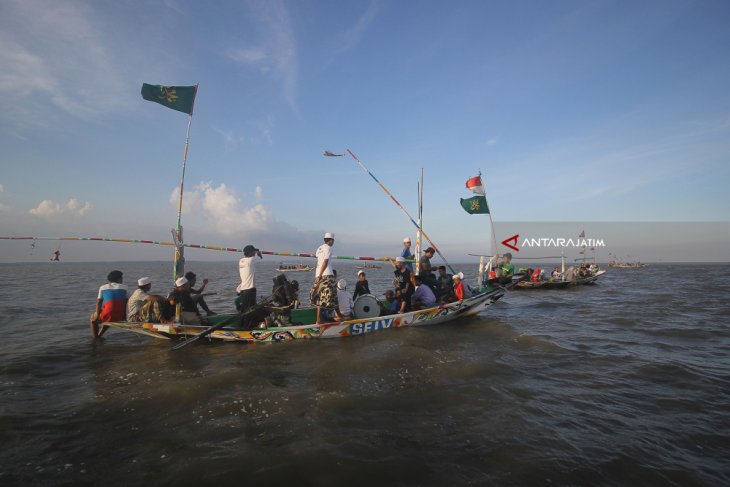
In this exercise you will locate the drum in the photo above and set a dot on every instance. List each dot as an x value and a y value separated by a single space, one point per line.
366 306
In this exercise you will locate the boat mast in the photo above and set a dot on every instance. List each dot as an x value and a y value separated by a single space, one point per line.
178 269
420 223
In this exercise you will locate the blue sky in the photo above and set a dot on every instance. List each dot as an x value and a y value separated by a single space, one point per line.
592 111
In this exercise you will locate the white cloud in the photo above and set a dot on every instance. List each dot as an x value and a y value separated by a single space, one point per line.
221 207
353 35
491 141
48 208
275 52
259 193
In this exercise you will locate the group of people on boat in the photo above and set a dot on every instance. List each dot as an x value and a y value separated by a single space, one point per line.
413 289
115 304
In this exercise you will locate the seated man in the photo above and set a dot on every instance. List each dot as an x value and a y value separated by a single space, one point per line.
197 294
180 295
423 297
344 300
362 286
389 304
111 304
143 307
556 275
507 269
459 291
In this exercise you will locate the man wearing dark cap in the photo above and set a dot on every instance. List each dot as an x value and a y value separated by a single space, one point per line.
111 304
247 289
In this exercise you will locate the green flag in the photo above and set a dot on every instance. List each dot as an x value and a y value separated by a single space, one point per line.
180 98
475 204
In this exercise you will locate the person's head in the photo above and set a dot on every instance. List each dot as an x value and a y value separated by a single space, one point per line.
458 278
400 262
442 270
507 257
182 284
144 283
398 294
555 268
115 276
342 284
361 276
191 277
389 295
429 252
249 250
329 238
295 285
418 279
407 243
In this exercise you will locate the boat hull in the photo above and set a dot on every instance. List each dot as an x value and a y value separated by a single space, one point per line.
525 285
429 316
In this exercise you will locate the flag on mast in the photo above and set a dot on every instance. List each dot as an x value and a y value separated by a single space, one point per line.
475 204
475 185
180 98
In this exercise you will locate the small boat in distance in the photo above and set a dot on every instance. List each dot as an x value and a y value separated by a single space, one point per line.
617 264
293 267
368 266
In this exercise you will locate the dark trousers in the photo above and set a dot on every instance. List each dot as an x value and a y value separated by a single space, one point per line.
248 301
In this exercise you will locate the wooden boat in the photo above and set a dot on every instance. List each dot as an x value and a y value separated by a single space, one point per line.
294 268
626 265
308 330
558 284
368 267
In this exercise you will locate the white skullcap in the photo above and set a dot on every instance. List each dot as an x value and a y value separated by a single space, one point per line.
407 239
329 235
181 282
143 281
460 275
400 259
360 272
342 284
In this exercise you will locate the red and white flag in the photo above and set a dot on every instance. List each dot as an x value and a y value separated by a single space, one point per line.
475 185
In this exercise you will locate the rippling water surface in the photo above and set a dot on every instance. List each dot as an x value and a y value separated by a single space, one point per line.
622 383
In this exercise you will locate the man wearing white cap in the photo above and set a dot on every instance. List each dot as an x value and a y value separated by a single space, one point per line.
181 295
406 253
344 300
459 286
143 307
402 282
323 293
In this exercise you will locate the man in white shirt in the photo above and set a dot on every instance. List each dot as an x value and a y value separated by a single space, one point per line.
323 293
247 269
344 300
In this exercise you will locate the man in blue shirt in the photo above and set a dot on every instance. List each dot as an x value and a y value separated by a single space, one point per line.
423 297
406 253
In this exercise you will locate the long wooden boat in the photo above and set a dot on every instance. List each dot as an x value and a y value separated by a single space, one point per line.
368 267
558 284
307 331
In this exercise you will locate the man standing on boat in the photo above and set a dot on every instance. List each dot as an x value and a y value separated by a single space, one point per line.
323 293
406 253
247 289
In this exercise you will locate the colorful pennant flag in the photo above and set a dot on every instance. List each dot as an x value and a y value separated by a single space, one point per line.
180 98
475 185
475 205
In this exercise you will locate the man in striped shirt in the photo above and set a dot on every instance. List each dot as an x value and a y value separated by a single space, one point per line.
111 304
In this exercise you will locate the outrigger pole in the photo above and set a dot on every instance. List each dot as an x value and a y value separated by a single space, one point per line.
364 168
198 246
420 223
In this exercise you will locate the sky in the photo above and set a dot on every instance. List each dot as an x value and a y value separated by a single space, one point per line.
584 111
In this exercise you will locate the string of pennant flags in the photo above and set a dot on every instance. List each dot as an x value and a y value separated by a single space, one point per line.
198 246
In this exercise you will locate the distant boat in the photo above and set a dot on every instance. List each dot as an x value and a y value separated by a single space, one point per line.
617 264
293 268
559 283
371 266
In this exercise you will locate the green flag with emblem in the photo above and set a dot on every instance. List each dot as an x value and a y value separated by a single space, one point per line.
475 205
180 98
